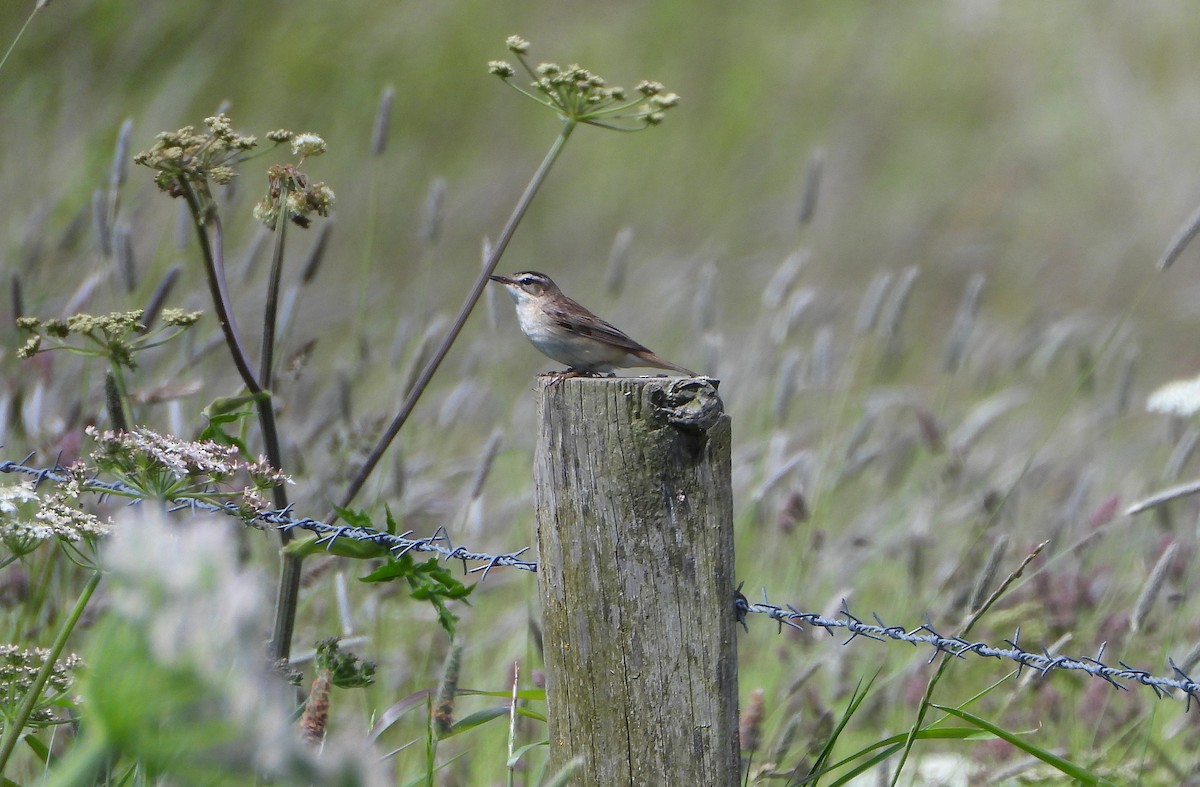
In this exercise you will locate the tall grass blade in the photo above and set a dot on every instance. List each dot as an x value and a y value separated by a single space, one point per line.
1180 242
1063 765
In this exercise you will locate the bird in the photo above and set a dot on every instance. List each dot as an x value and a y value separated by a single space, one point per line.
568 333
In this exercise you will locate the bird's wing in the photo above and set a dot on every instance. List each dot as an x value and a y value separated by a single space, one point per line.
583 322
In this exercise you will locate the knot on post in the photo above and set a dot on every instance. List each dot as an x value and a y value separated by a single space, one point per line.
691 404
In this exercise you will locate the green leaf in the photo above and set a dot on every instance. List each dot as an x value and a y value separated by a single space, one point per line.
227 409
563 777
311 544
345 670
354 518
430 581
535 695
221 413
446 619
396 568
481 717
856 699
891 745
531 714
424 778
398 710
444 589
476 719
519 753
1077 772
40 749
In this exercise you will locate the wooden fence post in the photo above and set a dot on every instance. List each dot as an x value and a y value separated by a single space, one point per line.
635 534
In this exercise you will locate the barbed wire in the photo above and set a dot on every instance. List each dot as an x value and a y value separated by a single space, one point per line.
925 634
440 544
282 519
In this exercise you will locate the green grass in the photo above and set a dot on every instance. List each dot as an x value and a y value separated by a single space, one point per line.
1047 149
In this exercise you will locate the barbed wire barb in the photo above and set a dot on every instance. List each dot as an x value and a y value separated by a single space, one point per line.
1182 676
925 634
440 544
282 519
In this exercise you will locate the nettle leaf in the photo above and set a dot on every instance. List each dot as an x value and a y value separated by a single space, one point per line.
230 411
393 569
354 518
313 544
442 582
430 581
345 670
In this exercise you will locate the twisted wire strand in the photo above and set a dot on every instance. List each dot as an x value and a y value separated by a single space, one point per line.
925 634
788 615
282 519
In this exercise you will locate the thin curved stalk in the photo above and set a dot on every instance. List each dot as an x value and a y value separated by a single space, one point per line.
272 306
422 382
214 268
288 596
12 732
926 700
21 32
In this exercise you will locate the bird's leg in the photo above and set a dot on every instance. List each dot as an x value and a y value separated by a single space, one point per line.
568 373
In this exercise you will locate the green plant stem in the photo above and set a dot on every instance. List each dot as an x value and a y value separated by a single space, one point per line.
926 703
431 743
12 732
37 600
21 32
84 764
214 267
287 598
1058 420
464 312
272 305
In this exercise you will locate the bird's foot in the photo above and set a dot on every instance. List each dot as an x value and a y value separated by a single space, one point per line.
566 374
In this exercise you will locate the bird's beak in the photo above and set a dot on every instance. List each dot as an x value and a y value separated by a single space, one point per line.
502 279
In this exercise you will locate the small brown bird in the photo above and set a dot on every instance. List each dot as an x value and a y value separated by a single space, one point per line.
570 334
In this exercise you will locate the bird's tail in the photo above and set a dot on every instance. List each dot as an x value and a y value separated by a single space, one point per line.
659 362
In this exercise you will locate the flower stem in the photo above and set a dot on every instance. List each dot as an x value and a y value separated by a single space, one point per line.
214 266
15 724
422 382
20 33
272 304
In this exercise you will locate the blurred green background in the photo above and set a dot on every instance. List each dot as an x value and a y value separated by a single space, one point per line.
1046 146
1049 147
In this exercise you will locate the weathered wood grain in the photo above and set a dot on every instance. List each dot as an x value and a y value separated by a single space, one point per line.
635 532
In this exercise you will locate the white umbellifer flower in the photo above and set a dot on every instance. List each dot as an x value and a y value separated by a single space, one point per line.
27 519
12 496
1178 397
67 523
307 144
